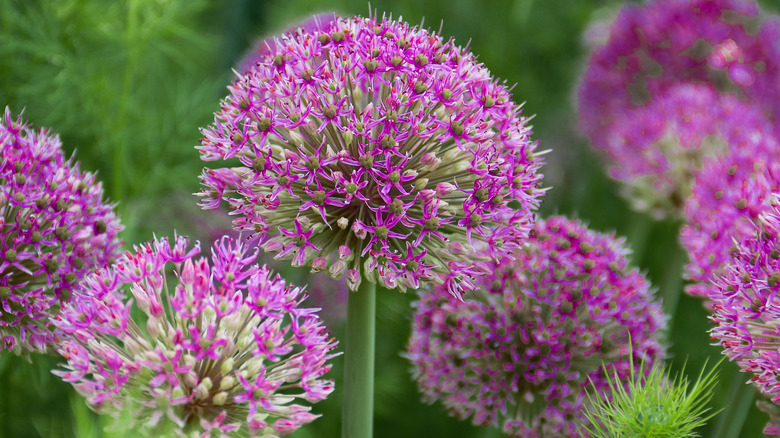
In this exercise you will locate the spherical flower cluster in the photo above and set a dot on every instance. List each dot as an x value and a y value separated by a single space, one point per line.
226 351
657 149
376 149
727 198
657 45
747 309
541 331
54 228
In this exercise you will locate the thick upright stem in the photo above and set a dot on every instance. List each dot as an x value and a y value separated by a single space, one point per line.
358 418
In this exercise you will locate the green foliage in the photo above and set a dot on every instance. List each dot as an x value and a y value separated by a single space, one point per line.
655 406
127 83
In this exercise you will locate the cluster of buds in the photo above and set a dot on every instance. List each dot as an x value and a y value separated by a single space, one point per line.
374 149
54 228
225 350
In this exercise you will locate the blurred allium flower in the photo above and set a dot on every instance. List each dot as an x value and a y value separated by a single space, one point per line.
268 46
227 348
54 228
728 196
657 45
657 149
523 350
376 149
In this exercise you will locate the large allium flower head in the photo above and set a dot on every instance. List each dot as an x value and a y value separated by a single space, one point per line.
727 198
657 149
54 228
374 149
659 44
226 348
522 350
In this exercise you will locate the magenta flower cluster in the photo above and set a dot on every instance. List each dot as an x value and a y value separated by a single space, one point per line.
541 331
54 228
746 309
374 149
655 46
678 80
226 350
657 149
727 199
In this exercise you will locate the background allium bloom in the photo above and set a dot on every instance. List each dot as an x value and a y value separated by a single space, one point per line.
522 349
376 149
747 308
54 227
657 149
659 44
728 196
227 348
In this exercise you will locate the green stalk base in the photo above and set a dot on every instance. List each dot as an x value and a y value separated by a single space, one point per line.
358 409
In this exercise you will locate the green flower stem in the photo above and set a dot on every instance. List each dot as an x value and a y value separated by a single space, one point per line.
738 402
671 284
638 235
358 418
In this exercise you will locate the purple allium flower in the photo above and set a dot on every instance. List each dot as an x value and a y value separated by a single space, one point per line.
657 149
727 198
54 228
225 348
524 348
267 46
657 45
375 149
746 309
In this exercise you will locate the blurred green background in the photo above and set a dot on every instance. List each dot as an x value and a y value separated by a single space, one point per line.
128 83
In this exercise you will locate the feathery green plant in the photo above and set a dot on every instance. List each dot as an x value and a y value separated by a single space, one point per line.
127 83
655 406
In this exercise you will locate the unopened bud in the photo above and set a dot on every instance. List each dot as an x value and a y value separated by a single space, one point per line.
443 189
336 270
353 279
296 139
318 265
228 381
220 398
430 161
342 223
344 252
348 137
421 183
